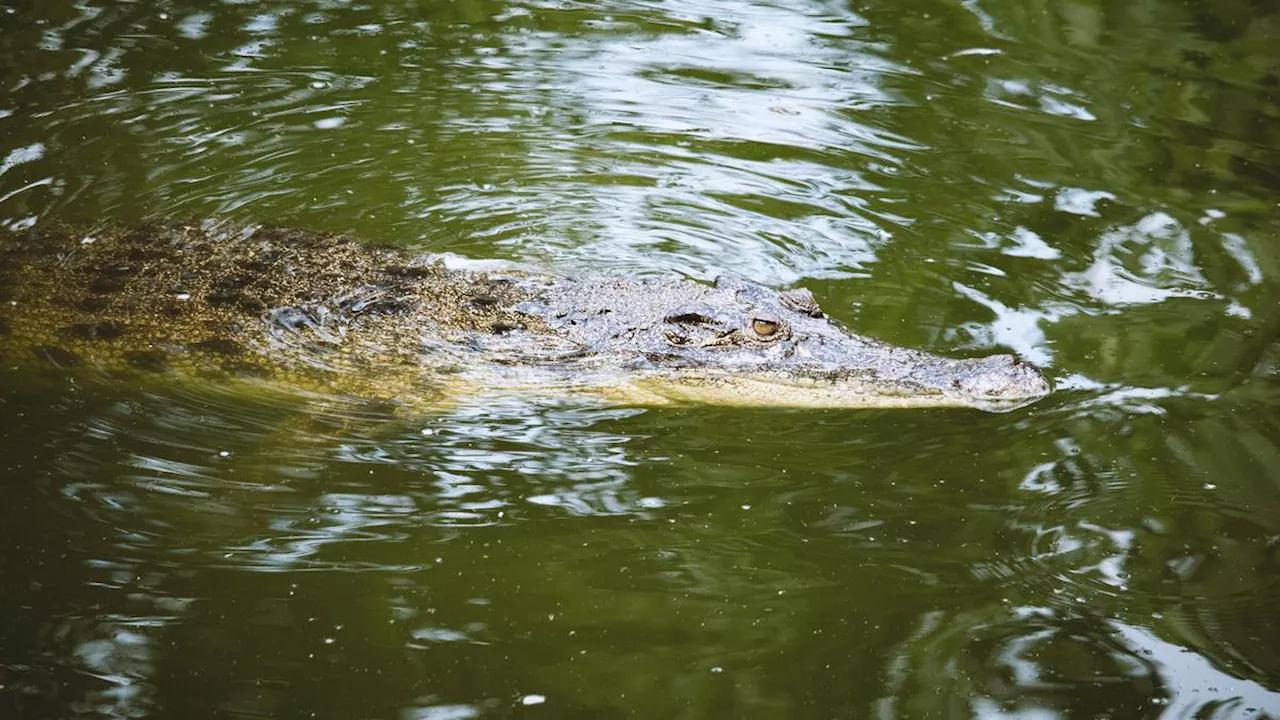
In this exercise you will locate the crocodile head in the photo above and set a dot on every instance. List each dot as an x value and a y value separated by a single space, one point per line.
746 344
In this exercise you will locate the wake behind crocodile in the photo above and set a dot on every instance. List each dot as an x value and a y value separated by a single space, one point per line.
326 312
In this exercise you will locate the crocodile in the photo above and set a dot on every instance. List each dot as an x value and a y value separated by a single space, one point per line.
330 313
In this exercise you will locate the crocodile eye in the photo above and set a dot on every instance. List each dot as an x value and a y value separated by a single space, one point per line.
802 301
765 328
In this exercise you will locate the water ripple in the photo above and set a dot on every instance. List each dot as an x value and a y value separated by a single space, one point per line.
961 177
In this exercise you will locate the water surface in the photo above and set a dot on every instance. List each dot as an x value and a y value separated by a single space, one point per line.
1090 185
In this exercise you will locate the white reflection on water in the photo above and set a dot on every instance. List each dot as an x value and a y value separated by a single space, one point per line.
1197 689
1016 328
441 712
289 496
1126 398
1146 263
1033 663
1149 262
776 98
118 658
21 155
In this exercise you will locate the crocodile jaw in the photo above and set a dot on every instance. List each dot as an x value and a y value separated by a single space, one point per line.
994 384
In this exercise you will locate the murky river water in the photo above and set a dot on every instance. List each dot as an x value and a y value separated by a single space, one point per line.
1092 185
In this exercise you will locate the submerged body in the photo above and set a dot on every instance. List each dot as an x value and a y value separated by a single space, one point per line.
325 312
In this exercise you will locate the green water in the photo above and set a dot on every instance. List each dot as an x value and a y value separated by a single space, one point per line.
1091 185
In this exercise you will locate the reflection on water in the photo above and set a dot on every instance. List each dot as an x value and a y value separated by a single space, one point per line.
254 480
1032 662
1091 186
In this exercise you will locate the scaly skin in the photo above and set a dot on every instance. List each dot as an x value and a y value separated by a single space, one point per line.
329 314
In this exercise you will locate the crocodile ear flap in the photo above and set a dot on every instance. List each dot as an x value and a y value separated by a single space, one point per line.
697 315
696 326
802 301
